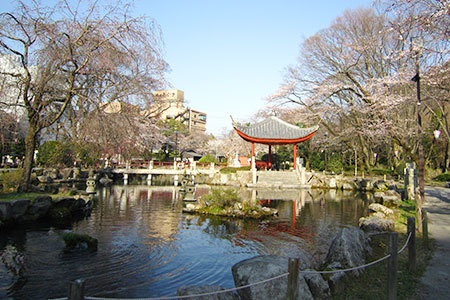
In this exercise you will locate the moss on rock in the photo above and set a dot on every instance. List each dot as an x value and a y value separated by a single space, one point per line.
76 242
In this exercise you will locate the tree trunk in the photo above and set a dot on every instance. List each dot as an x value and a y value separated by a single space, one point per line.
30 146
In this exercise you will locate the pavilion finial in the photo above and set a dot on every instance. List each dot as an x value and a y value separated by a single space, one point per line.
233 121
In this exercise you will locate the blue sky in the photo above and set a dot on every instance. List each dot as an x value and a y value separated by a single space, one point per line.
227 56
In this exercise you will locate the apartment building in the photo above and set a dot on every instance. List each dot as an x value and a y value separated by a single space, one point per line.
171 105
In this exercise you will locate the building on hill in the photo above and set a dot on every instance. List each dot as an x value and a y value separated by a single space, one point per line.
171 105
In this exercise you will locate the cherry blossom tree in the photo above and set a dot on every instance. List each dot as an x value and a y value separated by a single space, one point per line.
72 52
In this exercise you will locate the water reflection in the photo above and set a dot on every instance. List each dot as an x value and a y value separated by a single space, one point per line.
149 248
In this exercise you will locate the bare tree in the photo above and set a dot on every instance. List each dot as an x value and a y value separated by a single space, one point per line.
75 52
341 79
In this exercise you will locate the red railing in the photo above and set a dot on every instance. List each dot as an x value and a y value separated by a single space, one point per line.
164 164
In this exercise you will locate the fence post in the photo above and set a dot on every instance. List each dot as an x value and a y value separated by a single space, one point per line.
76 290
392 266
292 292
412 244
425 227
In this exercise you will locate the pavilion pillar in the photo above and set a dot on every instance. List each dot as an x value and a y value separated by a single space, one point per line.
270 157
295 156
253 162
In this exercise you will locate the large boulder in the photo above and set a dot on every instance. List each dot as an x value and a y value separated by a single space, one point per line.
349 248
19 208
337 280
13 260
388 198
62 209
44 179
264 267
376 207
317 285
376 224
53 173
66 173
348 186
76 242
5 211
39 207
206 289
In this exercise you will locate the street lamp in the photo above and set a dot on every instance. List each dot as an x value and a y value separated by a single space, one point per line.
416 79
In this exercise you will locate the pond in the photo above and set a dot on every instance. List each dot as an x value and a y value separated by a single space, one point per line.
148 248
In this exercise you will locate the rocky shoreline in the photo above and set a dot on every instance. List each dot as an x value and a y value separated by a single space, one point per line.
350 248
61 210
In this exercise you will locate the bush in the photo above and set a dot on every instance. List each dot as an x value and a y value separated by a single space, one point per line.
382 172
207 159
400 170
317 163
88 153
11 180
221 197
55 153
334 164
229 170
443 177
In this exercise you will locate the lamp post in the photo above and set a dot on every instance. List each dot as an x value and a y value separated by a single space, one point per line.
416 79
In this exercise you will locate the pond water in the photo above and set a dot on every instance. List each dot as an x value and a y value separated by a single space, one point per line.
149 248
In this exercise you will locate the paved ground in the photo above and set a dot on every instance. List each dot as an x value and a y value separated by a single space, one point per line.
435 282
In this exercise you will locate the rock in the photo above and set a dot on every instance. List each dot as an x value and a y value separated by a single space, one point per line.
317 285
76 242
336 282
78 204
389 198
13 260
348 186
265 267
378 214
195 290
38 171
5 211
45 179
61 210
378 196
53 173
105 180
376 207
63 201
238 206
381 185
349 248
66 173
19 208
376 224
331 183
39 208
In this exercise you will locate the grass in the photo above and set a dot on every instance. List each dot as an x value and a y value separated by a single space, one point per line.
405 209
30 196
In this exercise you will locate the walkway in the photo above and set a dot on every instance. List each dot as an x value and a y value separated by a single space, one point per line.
436 279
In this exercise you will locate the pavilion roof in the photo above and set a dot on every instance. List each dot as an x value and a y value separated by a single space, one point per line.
274 131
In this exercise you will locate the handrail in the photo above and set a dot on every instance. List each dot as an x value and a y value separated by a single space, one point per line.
255 283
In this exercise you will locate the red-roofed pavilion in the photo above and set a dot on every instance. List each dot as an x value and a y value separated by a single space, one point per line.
273 131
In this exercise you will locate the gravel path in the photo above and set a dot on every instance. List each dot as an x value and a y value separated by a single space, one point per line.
435 283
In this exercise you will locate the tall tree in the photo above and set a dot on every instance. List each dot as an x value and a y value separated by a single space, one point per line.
73 52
